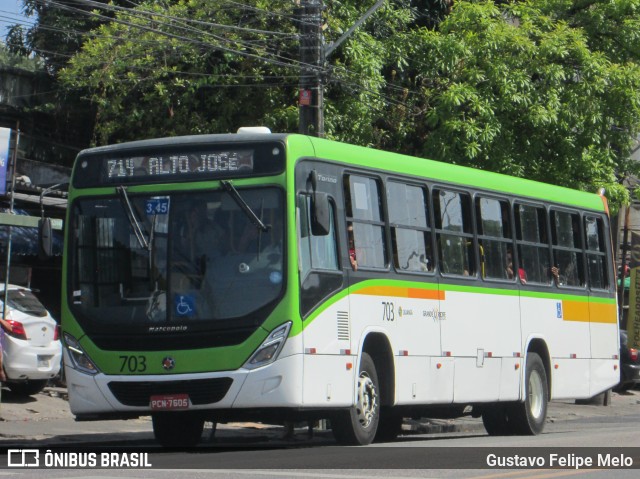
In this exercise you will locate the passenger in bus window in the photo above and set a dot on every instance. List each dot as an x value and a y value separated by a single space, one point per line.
567 275
352 249
522 274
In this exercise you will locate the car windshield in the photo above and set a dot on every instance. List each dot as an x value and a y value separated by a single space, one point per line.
24 301
175 258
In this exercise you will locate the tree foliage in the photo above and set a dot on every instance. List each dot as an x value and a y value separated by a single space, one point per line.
513 89
545 89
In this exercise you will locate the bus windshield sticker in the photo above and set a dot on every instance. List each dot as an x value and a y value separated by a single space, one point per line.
156 206
184 305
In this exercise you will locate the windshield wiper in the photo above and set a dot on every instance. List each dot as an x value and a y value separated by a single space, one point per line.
133 220
257 222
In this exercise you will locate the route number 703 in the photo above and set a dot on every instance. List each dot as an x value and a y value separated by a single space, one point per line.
133 364
388 313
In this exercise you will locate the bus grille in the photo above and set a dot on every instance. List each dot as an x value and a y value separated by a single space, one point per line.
200 391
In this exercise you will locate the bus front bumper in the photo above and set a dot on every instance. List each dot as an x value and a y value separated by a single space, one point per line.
278 384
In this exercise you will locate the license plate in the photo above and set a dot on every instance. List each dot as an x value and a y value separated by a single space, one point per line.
43 361
169 402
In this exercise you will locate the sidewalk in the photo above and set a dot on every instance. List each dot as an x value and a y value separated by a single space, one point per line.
45 420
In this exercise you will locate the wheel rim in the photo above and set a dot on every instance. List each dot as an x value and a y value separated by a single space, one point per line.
367 400
536 394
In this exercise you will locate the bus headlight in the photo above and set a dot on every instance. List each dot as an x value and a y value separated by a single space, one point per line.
78 357
268 351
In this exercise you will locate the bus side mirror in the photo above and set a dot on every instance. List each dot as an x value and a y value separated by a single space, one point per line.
45 238
320 214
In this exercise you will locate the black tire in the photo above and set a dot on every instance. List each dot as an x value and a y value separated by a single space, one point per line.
495 418
528 417
177 429
389 425
27 388
624 387
359 424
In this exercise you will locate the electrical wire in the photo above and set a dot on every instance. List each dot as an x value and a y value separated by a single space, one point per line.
277 62
352 85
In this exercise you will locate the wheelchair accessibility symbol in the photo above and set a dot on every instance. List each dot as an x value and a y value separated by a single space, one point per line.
184 305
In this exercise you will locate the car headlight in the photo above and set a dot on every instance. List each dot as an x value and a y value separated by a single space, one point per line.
79 358
268 351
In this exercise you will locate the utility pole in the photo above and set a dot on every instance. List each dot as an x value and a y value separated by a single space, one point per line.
311 99
313 55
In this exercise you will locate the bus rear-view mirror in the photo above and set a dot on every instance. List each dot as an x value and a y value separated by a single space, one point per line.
45 238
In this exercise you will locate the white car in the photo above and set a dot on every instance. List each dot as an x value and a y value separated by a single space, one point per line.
32 351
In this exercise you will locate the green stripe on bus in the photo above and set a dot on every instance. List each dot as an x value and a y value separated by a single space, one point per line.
370 158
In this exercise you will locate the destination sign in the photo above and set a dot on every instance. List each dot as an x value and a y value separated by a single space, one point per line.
177 163
194 164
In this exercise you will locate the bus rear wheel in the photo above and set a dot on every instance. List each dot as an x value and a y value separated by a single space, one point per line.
177 429
528 417
495 418
358 426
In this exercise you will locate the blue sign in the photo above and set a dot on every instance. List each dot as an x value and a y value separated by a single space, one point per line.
157 206
559 310
5 140
184 305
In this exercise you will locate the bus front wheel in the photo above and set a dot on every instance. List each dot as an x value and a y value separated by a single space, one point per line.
177 429
358 426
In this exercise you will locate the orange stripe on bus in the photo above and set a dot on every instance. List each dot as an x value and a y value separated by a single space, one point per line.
586 311
603 313
402 292
575 311
426 293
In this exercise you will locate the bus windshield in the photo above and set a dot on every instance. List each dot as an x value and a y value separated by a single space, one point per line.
175 258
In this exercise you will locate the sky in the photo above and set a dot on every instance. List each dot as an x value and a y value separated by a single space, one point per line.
10 14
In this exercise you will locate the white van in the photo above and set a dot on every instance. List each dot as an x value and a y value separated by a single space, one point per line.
32 351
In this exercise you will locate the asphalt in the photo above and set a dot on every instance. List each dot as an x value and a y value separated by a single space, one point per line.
44 420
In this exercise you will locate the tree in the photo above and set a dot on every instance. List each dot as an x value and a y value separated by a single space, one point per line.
182 68
59 31
8 59
513 89
543 89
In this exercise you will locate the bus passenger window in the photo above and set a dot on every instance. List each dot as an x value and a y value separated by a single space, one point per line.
567 248
596 253
533 243
410 231
494 235
454 232
364 214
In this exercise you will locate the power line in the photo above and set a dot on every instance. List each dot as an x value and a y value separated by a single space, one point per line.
141 12
283 63
279 61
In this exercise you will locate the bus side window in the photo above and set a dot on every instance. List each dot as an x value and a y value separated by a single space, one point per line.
533 243
454 232
596 253
568 256
494 235
410 231
316 252
364 214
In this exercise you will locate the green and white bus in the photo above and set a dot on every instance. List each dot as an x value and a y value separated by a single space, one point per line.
280 277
